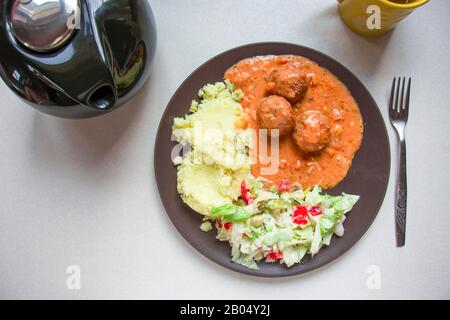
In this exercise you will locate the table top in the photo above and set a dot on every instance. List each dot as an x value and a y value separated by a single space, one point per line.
78 197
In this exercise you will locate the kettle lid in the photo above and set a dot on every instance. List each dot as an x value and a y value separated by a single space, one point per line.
44 25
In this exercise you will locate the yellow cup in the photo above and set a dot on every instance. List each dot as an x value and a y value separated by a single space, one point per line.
375 17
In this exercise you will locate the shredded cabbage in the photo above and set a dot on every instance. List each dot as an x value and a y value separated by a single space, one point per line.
265 230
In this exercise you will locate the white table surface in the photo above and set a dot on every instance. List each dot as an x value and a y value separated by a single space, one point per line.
83 192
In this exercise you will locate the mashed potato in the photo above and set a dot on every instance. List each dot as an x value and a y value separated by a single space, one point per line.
211 173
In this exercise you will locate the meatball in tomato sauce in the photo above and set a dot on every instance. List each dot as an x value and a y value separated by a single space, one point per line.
312 131
288 81
275 112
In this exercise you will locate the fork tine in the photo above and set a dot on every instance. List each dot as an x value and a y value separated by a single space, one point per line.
402 106
391 99
397 92
408 91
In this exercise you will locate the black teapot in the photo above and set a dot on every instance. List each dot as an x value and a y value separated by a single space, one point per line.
76 58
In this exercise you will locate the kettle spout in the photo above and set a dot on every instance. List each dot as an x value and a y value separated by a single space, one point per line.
103 98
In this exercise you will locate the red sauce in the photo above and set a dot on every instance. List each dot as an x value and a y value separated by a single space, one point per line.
325 94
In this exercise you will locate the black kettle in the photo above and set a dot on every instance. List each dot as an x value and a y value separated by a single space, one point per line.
76 58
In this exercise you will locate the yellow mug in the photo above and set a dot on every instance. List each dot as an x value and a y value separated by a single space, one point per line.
375 17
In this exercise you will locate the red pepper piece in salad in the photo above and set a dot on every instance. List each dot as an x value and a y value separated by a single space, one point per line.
300 215
226 225
274 256
246 196
315 210
284 185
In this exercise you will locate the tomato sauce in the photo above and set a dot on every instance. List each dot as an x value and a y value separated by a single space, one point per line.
325 94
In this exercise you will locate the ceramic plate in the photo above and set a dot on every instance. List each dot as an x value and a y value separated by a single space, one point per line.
368 175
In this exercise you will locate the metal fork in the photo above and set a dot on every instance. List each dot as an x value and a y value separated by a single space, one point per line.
398 115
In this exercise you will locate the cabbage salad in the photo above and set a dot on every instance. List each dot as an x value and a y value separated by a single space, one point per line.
278 223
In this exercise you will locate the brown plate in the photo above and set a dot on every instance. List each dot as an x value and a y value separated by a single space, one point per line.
368 176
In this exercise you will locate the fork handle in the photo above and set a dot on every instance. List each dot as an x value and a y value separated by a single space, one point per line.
400 197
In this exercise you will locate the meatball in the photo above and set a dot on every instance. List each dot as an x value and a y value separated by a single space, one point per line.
288 81
274 112
312 131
